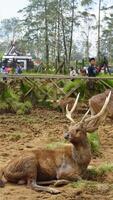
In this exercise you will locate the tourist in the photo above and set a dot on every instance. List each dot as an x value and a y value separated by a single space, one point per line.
4 72
73 74
92 68
92 73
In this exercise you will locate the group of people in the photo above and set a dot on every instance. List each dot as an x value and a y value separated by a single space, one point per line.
92 70
7 69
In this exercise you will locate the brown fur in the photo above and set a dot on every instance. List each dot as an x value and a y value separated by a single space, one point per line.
66 101
96 102
68 163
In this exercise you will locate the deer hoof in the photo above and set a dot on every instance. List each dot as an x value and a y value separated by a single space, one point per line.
54 191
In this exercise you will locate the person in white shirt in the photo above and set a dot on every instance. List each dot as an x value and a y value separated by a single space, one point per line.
73 74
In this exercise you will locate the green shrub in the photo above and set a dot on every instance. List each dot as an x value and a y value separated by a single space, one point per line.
80 86
4 107
94 141
8 95
24 108
72 84
96 173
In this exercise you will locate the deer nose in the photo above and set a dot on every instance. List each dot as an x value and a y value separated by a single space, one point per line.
66 135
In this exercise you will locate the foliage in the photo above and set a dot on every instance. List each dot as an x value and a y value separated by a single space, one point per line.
10 101
94 141
95 177
97 173
79 85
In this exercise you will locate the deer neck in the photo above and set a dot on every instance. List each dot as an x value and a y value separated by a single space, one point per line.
81 153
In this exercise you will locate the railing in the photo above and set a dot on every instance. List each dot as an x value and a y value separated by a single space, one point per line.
51 76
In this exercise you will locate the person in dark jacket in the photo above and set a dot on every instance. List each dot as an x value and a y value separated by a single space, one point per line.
92 67
92 73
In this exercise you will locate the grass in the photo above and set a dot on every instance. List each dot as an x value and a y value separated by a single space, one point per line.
98 173
94 178
83 184
92 186
94 141
105 168
15 137
10 102
55 145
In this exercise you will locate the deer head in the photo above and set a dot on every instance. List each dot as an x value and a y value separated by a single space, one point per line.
77 132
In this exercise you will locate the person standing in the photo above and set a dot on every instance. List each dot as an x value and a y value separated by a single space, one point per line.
92 67
92 73
73 74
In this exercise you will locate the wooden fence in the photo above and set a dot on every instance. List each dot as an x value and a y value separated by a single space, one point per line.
51 76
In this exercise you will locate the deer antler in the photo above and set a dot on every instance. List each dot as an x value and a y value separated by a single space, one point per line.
85 116
102 111
69 113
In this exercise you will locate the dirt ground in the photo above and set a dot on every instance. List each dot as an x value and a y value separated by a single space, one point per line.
18 133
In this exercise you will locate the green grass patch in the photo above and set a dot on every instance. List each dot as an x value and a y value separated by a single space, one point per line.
94 141
103 169
96 173
83 184
92 186
56 145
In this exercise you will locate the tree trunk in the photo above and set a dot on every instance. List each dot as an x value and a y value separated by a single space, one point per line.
63 30
87 46
71 32
58 37
98 43
46 35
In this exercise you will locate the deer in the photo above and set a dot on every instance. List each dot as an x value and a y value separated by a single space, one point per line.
40 168
96 102
65 101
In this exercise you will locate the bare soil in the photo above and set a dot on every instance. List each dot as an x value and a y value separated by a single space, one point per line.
18 133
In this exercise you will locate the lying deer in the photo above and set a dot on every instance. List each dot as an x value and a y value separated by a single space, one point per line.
42 167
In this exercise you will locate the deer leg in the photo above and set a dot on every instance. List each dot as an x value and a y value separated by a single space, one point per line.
21 182
32 174
61 182
64 177
33 185
54 182
46 182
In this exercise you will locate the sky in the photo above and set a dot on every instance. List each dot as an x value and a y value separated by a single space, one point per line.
9 8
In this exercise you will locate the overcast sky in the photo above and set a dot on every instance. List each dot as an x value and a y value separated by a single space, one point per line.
9 8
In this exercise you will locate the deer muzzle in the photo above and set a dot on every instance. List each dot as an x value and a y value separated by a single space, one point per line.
66 136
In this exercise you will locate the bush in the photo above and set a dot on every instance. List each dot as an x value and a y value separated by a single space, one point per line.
24 108
94 141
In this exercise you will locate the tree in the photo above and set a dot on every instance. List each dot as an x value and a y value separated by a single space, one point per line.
99 25
10 28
